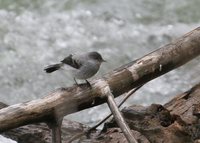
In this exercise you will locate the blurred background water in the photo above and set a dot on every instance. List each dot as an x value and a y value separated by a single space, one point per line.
36 33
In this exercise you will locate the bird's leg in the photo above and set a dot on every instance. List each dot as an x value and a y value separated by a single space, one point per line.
88 83
75 81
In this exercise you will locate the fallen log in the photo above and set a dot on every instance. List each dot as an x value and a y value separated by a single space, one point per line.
175 122
63 101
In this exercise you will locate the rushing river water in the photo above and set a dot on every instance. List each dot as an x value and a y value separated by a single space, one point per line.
35 33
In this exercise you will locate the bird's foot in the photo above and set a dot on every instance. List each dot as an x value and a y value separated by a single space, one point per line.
76 83
88 83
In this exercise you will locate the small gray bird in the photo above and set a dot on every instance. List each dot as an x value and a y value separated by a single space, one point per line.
84 66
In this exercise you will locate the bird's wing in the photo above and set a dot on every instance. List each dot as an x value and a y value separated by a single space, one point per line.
87 70
75 63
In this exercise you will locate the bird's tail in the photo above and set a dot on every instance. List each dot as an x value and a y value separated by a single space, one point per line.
52 68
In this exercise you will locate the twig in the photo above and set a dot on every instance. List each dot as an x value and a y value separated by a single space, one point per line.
56 134
119 118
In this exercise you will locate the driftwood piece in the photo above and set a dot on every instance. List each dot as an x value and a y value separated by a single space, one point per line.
175 122
68 100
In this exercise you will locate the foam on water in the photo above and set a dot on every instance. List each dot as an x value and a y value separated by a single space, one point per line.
6 140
